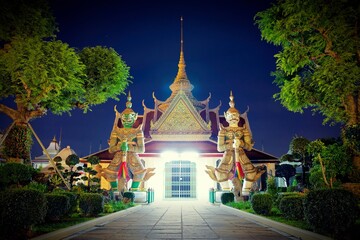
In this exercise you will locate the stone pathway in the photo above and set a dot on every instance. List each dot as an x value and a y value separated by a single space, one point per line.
180 220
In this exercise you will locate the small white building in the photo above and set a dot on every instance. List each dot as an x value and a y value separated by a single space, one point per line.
43 160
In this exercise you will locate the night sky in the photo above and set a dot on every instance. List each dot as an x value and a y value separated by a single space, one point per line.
223 51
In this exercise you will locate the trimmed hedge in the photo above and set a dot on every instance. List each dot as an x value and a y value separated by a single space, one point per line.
261 203
20 209
281 195
58 206
91 204
292 207
73 199
331 210
227 197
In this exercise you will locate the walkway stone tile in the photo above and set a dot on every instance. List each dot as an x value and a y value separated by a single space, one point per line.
180 220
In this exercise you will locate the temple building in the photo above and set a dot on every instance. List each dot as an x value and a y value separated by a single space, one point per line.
42 161
181 139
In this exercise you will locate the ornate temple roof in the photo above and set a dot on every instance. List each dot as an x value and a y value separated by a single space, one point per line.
183 123
181 82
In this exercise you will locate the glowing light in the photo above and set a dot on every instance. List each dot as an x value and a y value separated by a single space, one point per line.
189 155
170 155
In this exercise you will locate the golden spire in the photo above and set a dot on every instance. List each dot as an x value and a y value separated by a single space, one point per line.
181 76
232 108
128 105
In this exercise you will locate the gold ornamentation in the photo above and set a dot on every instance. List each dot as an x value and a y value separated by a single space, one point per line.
232 141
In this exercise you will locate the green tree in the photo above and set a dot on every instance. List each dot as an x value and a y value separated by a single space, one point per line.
318 66
44 74
298 150
93 182
332 160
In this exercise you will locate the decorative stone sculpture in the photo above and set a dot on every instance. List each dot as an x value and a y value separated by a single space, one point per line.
126 142
235 165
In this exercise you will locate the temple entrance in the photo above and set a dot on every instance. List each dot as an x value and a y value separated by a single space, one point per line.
180 179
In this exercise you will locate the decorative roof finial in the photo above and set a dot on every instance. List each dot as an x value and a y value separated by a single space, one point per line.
182 36
232 108
128 105
181 75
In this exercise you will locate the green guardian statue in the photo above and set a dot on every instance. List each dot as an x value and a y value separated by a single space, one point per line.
235 165
126 142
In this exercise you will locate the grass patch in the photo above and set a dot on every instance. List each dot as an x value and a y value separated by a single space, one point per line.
77 218
65 222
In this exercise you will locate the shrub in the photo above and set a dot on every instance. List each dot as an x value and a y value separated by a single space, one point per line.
15 174
271 186
261 203
20 209
91 204
227 197
129 195
108 208
292 207
73 197
114 206
330 210
37 186
281 195
58 206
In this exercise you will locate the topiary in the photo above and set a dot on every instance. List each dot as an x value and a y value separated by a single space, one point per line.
330 210
227 197
281 195
58 206
292 207
17 174
261 203
17 144
91 204
73 197
129 195
20 209
72 160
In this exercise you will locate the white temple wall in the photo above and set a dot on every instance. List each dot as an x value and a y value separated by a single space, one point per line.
157 182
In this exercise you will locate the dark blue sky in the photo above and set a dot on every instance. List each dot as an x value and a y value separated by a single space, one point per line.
223 52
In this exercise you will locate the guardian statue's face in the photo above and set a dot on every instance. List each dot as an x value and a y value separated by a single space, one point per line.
128 119
232 117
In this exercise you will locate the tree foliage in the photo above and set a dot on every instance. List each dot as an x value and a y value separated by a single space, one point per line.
332 160
42 73
25 18
318 66
298 150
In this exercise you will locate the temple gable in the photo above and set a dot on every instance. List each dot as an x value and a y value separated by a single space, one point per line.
181 121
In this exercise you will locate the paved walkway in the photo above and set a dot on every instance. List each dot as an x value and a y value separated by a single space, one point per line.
177 220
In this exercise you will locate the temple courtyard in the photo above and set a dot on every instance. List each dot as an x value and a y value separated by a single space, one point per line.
182 220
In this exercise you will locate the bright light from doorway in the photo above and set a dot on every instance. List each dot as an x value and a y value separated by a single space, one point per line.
170 155
189 155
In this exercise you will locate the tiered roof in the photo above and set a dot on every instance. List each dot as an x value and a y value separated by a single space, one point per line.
183 123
